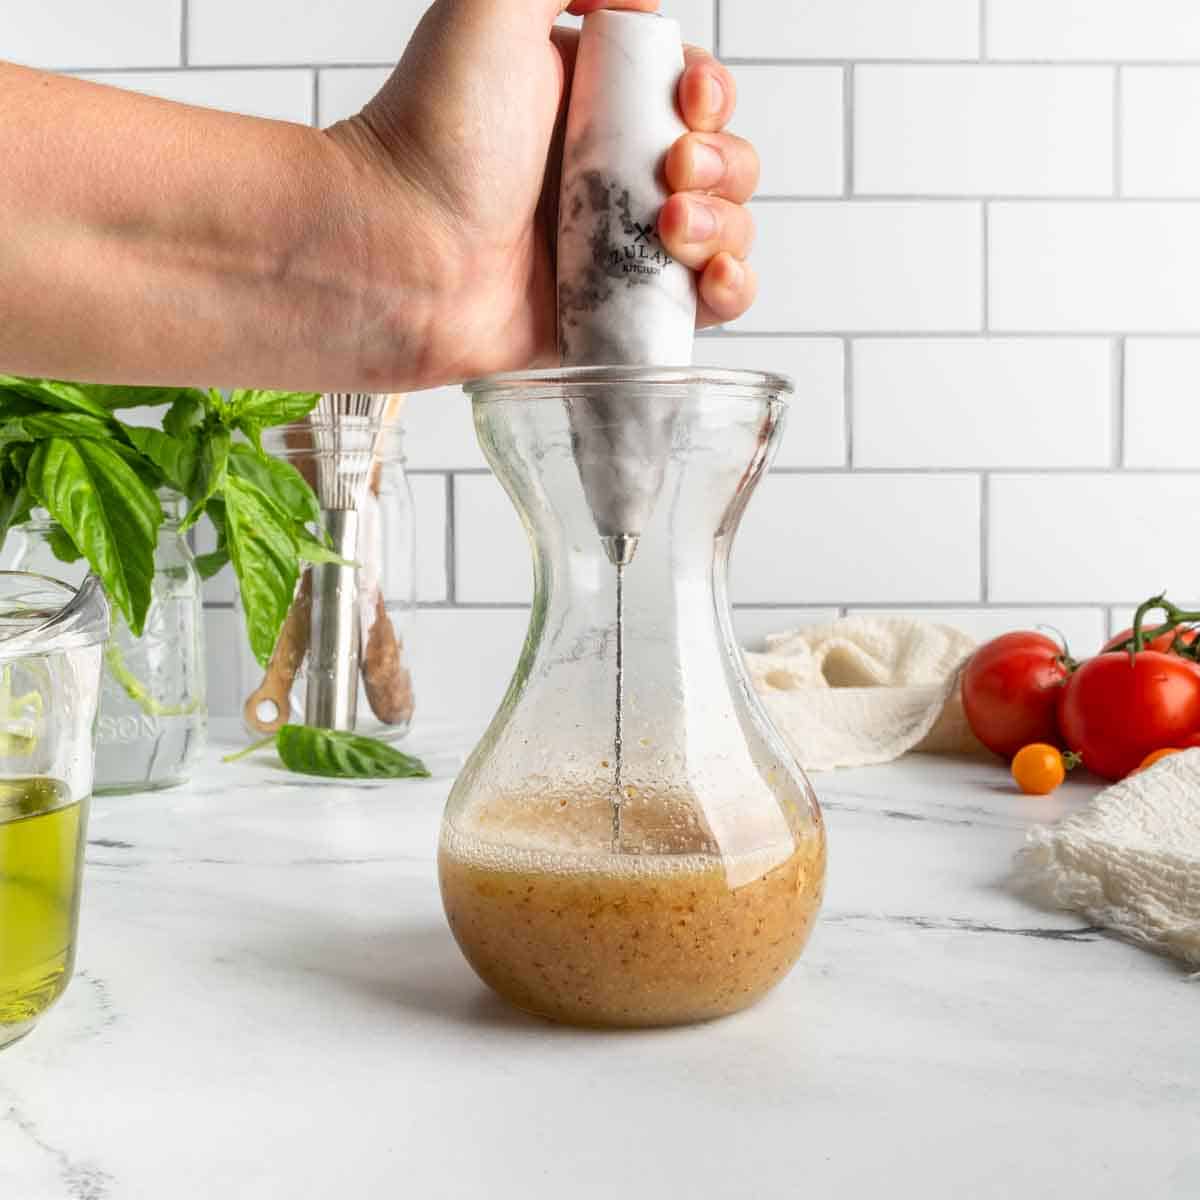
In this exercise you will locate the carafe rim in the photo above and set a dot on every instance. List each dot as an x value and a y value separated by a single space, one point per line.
548 384
38 627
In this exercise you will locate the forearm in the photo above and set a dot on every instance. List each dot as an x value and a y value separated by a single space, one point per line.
149 242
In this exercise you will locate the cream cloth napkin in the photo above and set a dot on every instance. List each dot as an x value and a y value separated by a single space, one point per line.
865 690
1130 861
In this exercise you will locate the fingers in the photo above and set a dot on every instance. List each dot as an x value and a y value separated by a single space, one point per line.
727 290
580 8
712 174
707 92
695 228
718 163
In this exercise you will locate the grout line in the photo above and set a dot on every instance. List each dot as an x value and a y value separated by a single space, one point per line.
921 470
479 606
474 606
1118 403
183 31
972 605
177 68
848 399
1057 64
983 30
716 28
947 334
451 539
985 541
986 271
732 61
865 199
848 138
316 99
1118 142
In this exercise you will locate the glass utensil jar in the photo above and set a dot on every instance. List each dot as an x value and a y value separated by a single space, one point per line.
153 715
385 583
631 843
51 645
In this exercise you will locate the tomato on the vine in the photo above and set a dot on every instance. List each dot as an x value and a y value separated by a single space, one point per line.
1155 640
1117 708
1010 689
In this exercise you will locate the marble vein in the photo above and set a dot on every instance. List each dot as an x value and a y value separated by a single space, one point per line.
1084 933
81 1180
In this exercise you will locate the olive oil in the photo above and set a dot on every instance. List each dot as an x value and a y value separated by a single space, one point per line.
41 858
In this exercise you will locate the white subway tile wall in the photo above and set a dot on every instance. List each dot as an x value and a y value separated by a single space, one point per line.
865 267
1161 381
979 246
1074 30
1160 117
985 130
957 402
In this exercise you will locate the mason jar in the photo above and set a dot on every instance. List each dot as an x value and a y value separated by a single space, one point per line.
384 582
153 718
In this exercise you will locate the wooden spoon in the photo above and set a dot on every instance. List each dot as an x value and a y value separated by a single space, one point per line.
269 706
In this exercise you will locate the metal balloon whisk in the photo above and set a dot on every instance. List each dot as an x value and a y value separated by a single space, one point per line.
345 427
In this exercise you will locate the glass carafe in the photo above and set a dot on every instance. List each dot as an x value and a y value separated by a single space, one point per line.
643 851
51 642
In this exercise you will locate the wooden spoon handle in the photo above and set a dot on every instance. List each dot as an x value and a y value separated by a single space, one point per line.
269 707
386 679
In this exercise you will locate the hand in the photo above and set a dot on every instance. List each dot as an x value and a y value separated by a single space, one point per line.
457 160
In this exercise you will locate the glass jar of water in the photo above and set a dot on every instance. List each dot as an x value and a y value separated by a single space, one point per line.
153 716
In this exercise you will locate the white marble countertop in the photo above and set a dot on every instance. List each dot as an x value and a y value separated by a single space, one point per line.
269 1005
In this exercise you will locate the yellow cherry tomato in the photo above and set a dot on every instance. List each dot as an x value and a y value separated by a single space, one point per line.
1039 769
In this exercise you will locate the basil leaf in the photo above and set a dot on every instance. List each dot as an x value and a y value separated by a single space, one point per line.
16 404
107 511
272 408
333 755
212 563
214 510
16 504
210 474
278 480
254 411
176 458
185 414
313 551
61 545
56 394
54 424
263 550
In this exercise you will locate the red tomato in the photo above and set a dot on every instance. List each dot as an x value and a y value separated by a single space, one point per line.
1010 688
1114 710
1162 643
